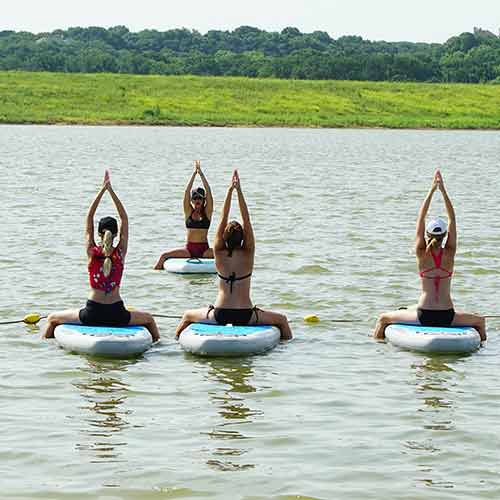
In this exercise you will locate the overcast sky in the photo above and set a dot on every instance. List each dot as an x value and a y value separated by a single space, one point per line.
394 20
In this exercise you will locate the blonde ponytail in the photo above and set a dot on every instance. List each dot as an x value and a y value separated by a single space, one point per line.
107 249
433 243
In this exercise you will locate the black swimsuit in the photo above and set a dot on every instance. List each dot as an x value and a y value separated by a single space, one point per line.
203 223
232 278
98 314
236 317
436 317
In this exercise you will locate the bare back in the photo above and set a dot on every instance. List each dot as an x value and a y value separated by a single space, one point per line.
241 264
436 278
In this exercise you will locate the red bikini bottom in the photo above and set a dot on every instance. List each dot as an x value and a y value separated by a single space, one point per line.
197 249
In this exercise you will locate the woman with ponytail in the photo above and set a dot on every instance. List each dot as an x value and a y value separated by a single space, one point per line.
105 266
435 260
198 209
234 250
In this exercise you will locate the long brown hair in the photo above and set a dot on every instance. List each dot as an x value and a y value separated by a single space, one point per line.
233 236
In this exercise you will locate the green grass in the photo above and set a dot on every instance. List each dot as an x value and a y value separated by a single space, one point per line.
213 101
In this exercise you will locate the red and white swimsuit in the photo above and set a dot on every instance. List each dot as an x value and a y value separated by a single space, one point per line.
96 275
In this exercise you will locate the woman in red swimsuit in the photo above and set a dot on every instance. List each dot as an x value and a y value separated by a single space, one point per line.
234 258
105 266
198 209
435 264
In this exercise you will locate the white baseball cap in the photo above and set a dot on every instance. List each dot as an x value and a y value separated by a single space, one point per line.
437 227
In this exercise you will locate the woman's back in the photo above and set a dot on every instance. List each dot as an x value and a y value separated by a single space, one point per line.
234 278
436 268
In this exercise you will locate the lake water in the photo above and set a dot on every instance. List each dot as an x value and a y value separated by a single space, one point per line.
331 414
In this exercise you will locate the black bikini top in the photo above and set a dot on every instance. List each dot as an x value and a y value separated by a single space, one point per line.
232 278
203 223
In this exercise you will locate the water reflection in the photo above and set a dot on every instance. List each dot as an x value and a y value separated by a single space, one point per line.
232 377
104 394
435 379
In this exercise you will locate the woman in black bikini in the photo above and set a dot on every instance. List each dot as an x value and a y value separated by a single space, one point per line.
435 264
198 209
234 258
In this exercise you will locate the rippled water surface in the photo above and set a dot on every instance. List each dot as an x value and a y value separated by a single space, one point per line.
331 414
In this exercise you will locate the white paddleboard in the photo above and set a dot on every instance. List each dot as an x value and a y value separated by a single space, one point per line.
434 339
109 341
190 266
227 340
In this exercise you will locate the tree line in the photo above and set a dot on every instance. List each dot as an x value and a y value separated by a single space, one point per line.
252 52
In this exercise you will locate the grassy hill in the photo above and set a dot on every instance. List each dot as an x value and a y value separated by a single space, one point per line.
219 101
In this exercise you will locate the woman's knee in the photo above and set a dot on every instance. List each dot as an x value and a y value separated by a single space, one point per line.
283 319
148 319
384 318
186 315
53 319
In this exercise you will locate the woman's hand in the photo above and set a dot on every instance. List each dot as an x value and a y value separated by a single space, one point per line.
439 179
106 182
434 183
236 181
197 167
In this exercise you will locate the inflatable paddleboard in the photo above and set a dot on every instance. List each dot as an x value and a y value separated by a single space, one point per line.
227 340
190 266
109 341
434 339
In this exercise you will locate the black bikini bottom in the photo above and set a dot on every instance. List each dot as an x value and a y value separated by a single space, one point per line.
236 317
431 317
97 314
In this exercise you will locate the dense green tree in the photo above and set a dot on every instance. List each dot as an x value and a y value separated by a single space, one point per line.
252 52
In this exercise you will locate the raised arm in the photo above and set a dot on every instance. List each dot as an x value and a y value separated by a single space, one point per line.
422 214
451 242
209 208
89 222
123 219
187 194
219 243
249 241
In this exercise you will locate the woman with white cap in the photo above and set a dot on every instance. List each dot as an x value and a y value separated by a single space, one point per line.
435 263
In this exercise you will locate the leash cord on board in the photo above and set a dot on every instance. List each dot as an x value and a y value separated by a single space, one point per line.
34 318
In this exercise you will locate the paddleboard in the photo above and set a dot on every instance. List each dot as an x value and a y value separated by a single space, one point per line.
227 340
190 266
434 339
109 341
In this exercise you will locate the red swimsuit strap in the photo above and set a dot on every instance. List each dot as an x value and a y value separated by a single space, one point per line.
438 259
437 267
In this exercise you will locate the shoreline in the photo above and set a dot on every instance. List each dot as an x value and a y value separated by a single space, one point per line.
132 124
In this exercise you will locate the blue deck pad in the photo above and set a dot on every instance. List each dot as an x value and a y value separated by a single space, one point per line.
210 329
434 329
102 331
